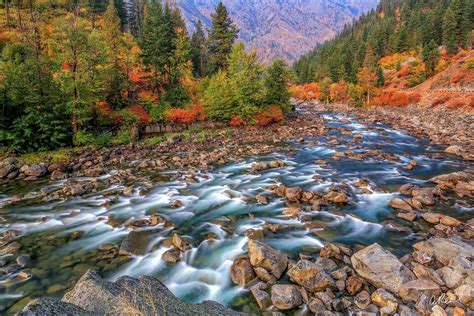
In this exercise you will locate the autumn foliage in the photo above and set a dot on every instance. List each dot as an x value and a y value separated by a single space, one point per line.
309 91
236 121
273 114
185 116
396 98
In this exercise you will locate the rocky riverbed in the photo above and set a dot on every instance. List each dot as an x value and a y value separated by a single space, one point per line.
331 211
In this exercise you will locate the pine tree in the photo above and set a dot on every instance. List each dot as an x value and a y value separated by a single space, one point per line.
380 77
461 12
449 31
430 57
276 83
222 35
198 51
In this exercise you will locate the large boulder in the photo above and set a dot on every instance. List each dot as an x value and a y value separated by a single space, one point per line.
400 204
136 243
445 250
310 276
381 268
34 170
264 256
241 271
127 296
451 179
286 296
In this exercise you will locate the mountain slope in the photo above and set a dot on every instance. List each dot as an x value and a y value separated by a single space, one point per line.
280 28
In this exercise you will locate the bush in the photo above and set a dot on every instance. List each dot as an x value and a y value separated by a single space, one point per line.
85 138
397 98
122 137
236 121
273 114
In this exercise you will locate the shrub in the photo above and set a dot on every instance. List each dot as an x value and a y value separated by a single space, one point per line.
273 114
236 121
180 116
397 98
86 138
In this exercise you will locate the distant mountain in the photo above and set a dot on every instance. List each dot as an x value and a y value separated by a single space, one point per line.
280 28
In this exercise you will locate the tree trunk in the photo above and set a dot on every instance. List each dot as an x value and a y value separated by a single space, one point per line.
7 13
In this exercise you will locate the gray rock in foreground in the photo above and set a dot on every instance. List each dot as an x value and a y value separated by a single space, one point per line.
127 296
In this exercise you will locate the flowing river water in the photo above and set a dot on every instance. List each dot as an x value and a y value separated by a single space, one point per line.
64 239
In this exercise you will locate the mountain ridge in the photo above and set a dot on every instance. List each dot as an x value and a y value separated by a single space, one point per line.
280 28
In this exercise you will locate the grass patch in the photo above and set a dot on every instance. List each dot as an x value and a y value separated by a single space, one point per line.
59 155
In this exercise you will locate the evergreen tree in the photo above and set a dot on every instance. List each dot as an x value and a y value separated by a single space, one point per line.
115 44
198 51
222 35
449 31
430 57
461 15
276 83
380 77
402 40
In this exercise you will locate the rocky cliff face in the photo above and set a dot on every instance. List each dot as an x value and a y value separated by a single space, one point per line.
281 28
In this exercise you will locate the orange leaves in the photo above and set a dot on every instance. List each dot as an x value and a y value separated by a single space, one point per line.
66 66
309 91
185 116
236 121
397 98
147 95
273 114
141 114
338 92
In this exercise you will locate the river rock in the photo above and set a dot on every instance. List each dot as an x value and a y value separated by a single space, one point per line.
362 300
310 276
336 197
353 285
454 150
264 256
411 291
136 243
400 204
465 293
293 194
383 298
127 296
316 305
286 296
445 250
34 170
381 268
451 179
171 256
241 271
180 243
262 298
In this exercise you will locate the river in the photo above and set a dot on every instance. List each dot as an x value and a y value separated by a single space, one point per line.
64 239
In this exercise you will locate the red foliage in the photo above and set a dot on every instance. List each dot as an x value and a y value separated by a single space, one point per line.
180 116
457 77
236 121
199 112
273 114
104 108
142 115
66 66
397 98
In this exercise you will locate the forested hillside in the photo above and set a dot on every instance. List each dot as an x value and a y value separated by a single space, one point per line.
82 73
395 26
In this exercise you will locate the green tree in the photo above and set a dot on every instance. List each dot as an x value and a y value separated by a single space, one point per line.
222 35
276 84
33 116
198 51
430 57
219 100
380 77
449 31
82 55
324 90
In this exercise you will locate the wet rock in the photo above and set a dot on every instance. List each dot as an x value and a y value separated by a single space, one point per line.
326 264
171 256
330 251
241 271
262 199
411 291
454 150
400 204
34 170
451 179
94 172
432 218
310 276
293 194
261 296
255 234
58 175
264 275
125 296
383 298
336 197
286 296
264 256
180 243
410 216
381 268
9 249
136 243
361 183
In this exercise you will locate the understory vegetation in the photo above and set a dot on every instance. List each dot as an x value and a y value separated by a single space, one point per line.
82 73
